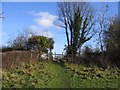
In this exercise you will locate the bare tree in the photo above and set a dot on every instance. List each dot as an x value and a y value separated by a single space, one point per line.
112 41
78 20
20 42
103 22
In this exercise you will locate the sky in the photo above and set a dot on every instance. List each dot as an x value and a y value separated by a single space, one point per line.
39 18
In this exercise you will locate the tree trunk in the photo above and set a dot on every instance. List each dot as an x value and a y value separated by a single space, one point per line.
38 55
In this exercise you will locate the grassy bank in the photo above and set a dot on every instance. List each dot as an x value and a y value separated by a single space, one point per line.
86 77
52 75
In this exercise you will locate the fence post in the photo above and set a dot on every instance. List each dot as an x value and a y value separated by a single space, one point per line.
55 56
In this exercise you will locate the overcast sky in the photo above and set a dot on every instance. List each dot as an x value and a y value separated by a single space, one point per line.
39 18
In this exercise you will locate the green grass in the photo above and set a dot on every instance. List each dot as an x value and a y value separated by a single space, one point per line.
40 75
85 77
52 75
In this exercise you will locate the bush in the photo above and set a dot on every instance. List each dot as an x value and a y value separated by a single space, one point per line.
5 49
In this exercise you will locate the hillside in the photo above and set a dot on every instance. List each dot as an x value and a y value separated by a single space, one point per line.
53 75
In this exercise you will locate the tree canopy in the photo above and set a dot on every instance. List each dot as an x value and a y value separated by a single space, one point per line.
41 44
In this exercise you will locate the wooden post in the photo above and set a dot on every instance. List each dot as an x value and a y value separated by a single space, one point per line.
55 56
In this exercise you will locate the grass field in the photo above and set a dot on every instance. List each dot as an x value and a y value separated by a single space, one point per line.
52 75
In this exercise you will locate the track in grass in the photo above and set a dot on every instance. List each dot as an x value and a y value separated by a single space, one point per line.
53 75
